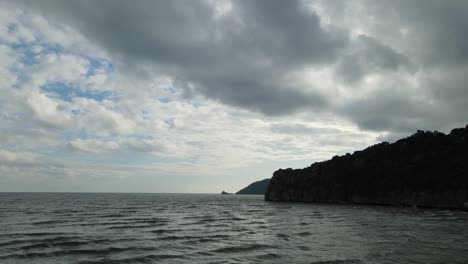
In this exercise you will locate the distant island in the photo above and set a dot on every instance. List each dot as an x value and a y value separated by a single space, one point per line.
258 187
427 169
225 193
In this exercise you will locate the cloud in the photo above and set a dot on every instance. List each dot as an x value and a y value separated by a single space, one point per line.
407 76
369 56
436 30
47 110
291 128
20 158
402 112
100 117
93 145
241 58
29 166
221 88
246 54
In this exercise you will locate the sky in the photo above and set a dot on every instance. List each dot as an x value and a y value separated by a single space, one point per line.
204 95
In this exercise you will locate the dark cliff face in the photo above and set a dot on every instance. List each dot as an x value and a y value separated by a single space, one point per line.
428 169
258 187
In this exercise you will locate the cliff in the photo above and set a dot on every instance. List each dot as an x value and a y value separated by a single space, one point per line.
427 169
258 187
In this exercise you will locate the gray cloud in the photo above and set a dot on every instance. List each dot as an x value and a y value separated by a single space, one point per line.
401 110
437 30
369 56
240 58
245 57
385 110
431 34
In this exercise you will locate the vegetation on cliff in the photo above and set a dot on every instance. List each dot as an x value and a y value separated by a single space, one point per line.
428 169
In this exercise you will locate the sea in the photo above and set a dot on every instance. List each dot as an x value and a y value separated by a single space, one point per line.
86 228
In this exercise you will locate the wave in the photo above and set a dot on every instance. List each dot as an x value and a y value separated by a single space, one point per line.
339 261
207 237
57 244
38 240
138 259
302 234
49 222
268 256
129 226
112 215
148 220
163 231
225 233
206 221
123 222
72 252
217 225
34 234
237 249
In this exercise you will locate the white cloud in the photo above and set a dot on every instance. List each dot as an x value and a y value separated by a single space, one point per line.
47 110
21 158
93 146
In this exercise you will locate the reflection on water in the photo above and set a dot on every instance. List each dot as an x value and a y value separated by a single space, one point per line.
195 228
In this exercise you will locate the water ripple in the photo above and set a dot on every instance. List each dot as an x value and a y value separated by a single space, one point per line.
157 228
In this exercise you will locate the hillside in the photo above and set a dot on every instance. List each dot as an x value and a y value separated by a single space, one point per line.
427 169
258 187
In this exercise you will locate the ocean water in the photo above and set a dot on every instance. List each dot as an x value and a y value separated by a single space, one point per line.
196 228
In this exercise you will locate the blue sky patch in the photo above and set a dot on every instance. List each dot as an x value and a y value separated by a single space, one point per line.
12 27
96 64
27 54
170 90
195 104
48 48
164 100
67 92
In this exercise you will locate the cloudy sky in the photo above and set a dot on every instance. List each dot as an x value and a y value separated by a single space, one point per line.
204 96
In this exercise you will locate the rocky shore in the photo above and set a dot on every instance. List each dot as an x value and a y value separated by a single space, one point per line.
427 169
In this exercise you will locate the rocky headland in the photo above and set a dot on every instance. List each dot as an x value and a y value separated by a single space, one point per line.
258 187
427 169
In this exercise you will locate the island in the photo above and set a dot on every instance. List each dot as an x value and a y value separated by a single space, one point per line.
258 187
427 169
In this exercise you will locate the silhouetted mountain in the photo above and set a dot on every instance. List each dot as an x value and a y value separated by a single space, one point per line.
427 169
258 187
